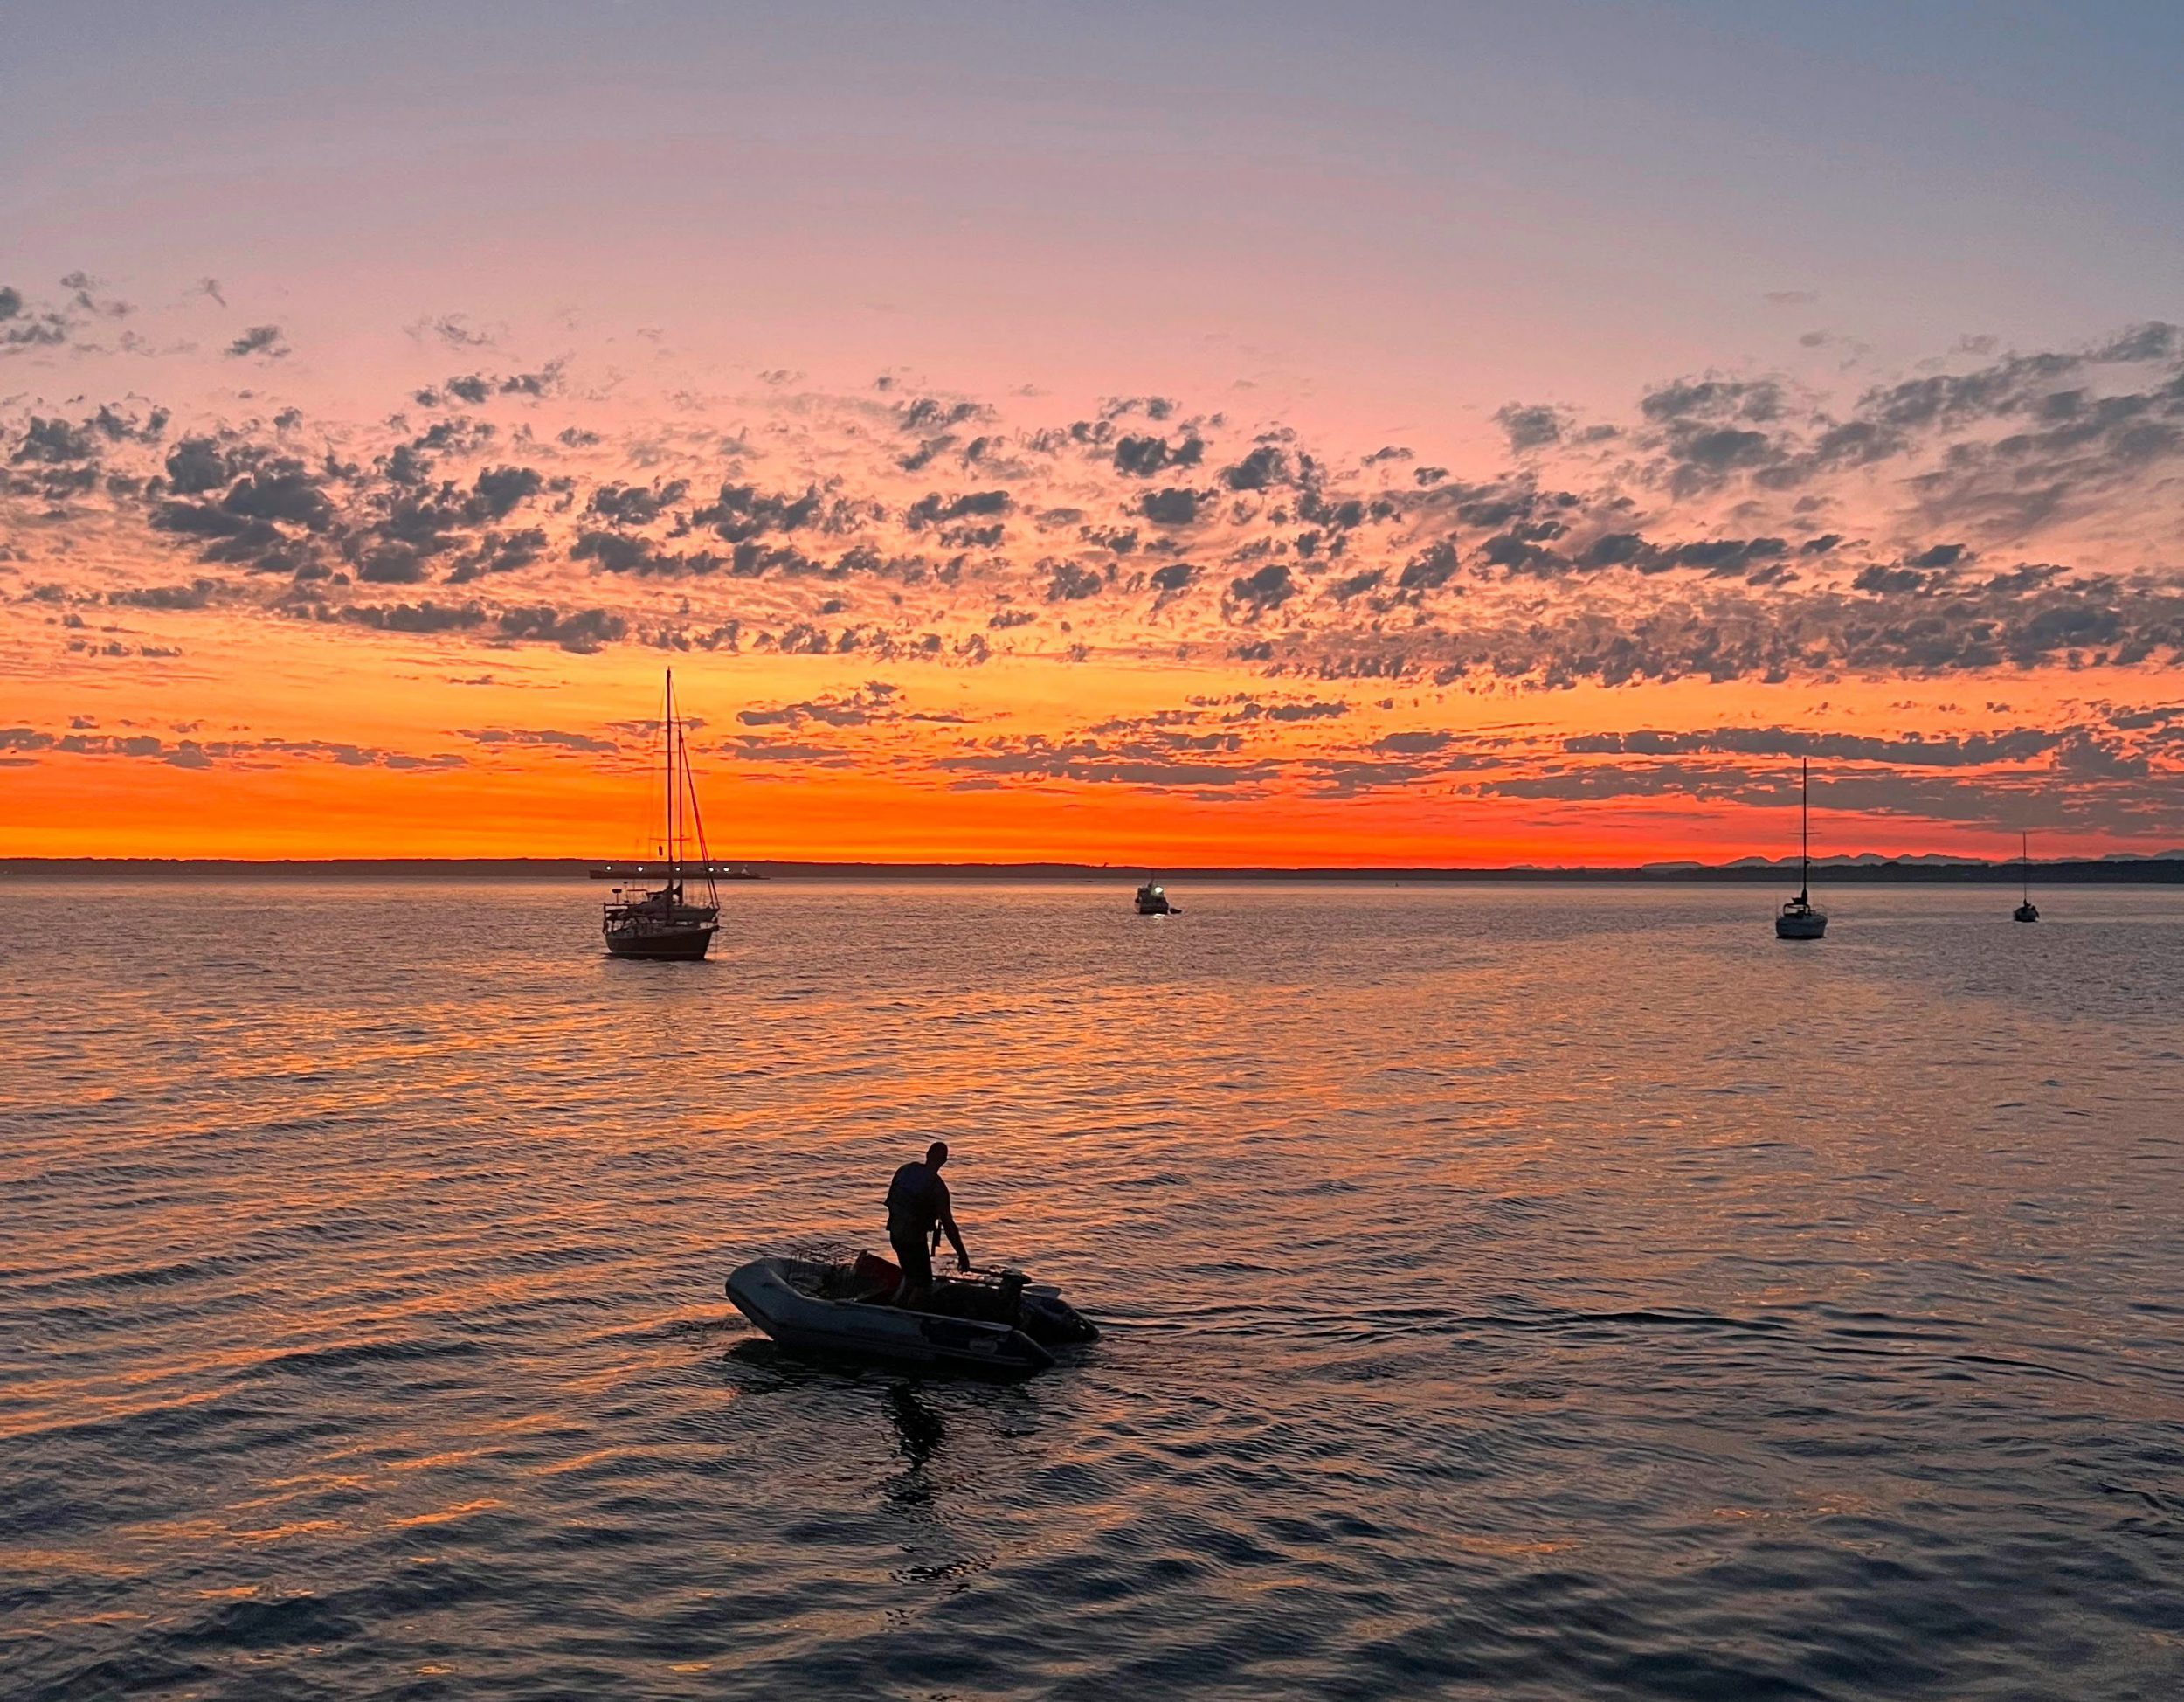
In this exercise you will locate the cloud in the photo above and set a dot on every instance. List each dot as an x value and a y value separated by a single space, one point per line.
1269 588
55 442
1533 427
1912 749
193 753
581 631
1170 506
452 330
933 509
1695 553
264 341
550 737
426 617
1262 468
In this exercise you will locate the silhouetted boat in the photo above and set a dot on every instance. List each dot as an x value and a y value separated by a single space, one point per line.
991 1321
1153 900
660 923
2026 912
1798 919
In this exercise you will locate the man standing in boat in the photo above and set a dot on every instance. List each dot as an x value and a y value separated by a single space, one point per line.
918 1206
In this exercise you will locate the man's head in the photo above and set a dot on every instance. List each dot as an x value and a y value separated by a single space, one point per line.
936 1154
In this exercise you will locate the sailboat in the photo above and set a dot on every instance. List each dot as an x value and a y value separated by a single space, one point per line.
1152 900
2026 912
1798 919
663 923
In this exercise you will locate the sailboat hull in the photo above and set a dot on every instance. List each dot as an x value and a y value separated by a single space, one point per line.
1812 925
671 944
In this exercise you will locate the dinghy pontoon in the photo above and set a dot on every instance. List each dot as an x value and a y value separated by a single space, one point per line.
993 1321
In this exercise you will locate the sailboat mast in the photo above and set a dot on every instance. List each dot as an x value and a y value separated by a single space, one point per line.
2024 863
668 738
673 791
1805 829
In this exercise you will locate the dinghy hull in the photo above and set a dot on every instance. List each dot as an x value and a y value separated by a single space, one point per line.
775 1295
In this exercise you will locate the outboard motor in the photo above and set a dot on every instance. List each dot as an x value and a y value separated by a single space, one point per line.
1012 1286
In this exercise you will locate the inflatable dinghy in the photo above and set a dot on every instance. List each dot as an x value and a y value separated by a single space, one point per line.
993 1321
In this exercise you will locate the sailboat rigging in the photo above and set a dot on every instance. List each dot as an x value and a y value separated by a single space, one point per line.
1798 918
667 922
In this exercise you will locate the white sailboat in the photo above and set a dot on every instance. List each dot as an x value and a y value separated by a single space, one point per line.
1798 919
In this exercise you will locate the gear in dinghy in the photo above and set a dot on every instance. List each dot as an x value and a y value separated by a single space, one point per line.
995 1321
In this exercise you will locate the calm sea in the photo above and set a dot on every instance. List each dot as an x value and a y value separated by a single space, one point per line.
1514 1293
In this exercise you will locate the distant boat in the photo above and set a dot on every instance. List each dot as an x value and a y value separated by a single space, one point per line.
2027 912
660 923
1799 920
1153 900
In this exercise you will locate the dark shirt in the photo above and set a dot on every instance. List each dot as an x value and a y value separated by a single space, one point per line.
917 1199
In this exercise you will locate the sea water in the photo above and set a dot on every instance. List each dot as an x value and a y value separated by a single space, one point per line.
1510 1291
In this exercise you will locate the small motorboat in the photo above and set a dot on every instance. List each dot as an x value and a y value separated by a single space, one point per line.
996 1321
1152 900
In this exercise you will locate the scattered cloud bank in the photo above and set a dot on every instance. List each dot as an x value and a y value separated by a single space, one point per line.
2000 514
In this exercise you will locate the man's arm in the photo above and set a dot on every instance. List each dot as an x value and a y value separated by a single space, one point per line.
948 1222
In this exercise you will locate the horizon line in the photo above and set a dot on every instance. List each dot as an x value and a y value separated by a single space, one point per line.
2155 868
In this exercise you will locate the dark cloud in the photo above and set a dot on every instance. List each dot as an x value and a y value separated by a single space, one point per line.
1714 399
617 552
1141 457
1149 760
2088 786
24 327
742 512
1529 428
928 414
1430 569
191 753
1070 583
414 616
452 329
582 631
55 442
547 737
636 505
196 596
261 339
1170 506
1263 468
1269 588
1909 751
500 552
933 509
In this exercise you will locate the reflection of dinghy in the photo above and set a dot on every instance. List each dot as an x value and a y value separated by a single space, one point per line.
991 1321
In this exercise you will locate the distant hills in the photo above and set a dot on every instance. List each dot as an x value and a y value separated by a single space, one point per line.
1864 869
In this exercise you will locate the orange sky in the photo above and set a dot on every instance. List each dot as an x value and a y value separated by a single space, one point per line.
1339 445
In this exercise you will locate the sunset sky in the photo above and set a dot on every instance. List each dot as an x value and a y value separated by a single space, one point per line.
1157 435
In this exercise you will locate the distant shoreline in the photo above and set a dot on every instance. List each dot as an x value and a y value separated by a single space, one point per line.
2147 871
